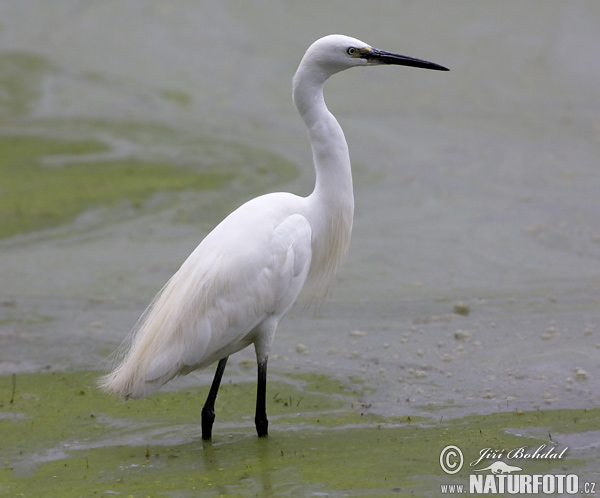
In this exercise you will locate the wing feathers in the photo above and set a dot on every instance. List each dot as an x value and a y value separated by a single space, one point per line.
209 308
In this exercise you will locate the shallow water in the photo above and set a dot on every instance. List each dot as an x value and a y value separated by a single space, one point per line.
63 437
477 186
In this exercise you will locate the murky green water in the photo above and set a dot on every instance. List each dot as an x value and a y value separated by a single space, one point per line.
61 436
128 131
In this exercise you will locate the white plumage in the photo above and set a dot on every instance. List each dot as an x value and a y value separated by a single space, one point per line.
228 292
243 278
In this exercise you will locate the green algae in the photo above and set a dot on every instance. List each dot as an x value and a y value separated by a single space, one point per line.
177 97
54 169
47 181
35 194
21 76
61 436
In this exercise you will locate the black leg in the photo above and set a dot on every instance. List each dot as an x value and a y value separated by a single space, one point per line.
262 424
208 412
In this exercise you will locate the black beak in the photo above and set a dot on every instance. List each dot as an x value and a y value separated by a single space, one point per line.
382 57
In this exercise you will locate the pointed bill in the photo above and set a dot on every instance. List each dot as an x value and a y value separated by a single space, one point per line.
376 56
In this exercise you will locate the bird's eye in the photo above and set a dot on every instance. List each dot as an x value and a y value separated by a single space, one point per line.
351 51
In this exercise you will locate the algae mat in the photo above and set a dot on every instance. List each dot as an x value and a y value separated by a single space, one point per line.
61 436
49 181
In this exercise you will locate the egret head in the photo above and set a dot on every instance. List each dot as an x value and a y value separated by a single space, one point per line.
335 53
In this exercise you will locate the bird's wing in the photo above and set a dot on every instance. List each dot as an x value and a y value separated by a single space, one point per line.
292 254
262 283
241 275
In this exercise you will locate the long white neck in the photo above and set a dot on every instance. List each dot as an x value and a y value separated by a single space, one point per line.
329 147
332 201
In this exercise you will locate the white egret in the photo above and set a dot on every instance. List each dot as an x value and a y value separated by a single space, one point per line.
243 278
